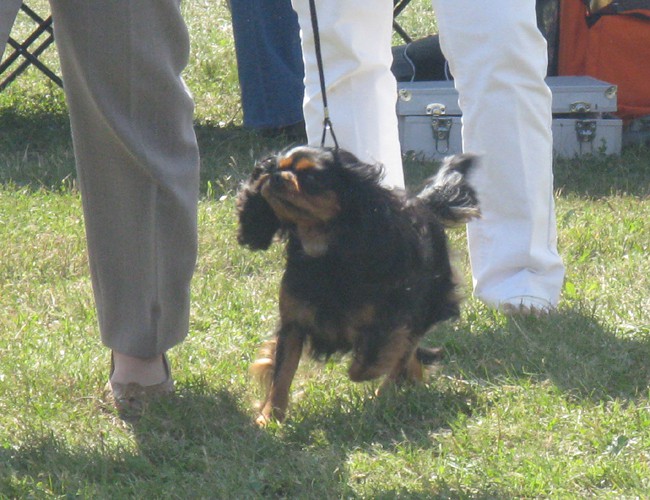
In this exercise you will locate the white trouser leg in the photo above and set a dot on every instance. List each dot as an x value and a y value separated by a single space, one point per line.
361 90
498 59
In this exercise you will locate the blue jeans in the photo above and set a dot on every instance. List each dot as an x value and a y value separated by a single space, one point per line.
269 59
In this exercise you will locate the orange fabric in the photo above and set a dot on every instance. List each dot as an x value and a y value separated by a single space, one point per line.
616 49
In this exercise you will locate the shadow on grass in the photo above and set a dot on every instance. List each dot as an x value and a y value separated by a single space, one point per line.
571 348
35 137
598 175
408 414
581 357
229 153
36 150
202 444
36 147
195 445
39 131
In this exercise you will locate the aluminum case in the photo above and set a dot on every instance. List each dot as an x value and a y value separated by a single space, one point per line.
583 123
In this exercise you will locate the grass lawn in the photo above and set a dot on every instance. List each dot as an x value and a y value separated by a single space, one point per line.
556 407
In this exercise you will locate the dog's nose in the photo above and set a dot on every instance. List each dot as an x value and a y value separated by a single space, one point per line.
284 180
276 179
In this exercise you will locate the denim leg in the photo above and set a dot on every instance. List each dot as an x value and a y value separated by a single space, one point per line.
269 59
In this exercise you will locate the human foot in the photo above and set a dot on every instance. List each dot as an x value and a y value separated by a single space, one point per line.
133 382
526 306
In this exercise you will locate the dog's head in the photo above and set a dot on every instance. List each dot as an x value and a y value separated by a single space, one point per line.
303 188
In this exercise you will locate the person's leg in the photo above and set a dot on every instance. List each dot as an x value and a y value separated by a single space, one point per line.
498 59
361 90
8 11
138 165
269 62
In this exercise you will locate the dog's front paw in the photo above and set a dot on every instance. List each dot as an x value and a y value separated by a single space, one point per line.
262 421
268 414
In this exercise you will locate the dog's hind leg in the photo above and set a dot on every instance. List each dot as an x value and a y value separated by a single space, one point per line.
410 368
429 355
407 369
378 354
285 359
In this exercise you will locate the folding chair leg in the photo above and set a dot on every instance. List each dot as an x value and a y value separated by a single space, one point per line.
31 57
398 7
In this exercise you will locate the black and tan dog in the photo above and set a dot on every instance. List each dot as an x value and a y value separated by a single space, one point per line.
367 270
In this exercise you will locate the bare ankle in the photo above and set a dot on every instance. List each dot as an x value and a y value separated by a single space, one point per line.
143 371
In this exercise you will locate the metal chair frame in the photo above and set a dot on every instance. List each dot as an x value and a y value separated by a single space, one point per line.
43 36
30 50
398 7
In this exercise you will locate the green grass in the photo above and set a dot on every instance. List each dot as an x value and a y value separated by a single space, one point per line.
557 407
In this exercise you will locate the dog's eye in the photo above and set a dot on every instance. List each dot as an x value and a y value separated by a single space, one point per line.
310 182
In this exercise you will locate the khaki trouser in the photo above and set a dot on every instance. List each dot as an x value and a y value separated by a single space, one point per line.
8 11
137 163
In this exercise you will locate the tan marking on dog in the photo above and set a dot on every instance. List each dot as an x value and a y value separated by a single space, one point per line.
363 316
292 205
305 164
277 399
393 352
294 310
406 370
262 368
291 180
285 163
326 206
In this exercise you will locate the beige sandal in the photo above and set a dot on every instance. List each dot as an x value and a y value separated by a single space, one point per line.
131 399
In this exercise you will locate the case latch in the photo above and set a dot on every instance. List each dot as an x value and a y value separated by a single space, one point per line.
586 133
441 126
580 107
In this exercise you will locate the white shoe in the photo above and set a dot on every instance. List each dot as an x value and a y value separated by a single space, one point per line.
526 306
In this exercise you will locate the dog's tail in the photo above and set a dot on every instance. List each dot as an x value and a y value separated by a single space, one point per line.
448 194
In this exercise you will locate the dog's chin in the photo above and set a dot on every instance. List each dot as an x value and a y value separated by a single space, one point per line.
313 234
315 240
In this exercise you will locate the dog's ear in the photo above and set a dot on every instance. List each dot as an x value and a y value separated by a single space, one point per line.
257 221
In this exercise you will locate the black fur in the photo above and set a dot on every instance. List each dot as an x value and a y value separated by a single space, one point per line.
257 221
384 277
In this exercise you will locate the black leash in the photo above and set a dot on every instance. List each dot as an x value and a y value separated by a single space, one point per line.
327 123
